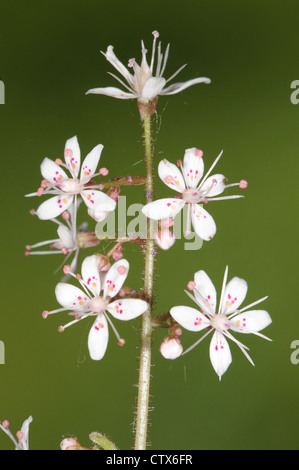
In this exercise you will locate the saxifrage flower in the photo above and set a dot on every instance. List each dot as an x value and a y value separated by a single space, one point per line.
89 301
194 189
67 189
219 321
145 84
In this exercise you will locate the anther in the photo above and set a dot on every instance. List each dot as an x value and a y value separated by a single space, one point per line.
131 63
5 424
66 269
121 342
65 215
191 285
243 184
45 314
60 329
58 161
103 171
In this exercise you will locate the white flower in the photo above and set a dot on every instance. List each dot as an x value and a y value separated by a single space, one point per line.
66 189
23 435
228 316
193 189
89 302
69 241
144 84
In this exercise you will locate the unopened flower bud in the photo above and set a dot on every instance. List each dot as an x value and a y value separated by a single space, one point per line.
103 262
171 348
117 255
70 443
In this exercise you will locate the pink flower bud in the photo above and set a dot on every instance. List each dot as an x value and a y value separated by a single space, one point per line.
117 255
70 443
103 263
171 348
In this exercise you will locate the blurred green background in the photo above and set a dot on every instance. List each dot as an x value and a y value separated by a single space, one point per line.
49 57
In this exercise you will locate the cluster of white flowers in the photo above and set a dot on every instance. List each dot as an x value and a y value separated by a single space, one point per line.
70 183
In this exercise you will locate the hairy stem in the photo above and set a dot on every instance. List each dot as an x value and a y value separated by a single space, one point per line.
146 328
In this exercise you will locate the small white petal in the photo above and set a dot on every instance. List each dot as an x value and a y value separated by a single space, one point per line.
70 296
193 166
189 318
72 155
127 309
113 92
115 278
234 294
152 88
250 322
52 172
90 163
213 186
90 274
118 65
177 87
206 289
171 176
220 354
54 206
66 237
203 223
163 208
97 200
98 338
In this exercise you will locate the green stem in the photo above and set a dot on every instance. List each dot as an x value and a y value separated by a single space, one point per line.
146 328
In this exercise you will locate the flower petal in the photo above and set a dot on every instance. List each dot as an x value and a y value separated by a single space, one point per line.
206 289
203 223
98 201
115 278
111 91
190 318
213 186
177 87
152 88
163 208
98 338
193 166
70 296
118 65
171 176
90 163
250 322
234 294
90 274
24 440
72 155
220 354
54 206
127 309
66 237
52 172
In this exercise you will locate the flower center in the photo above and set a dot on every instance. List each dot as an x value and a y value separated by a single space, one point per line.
220 322
192 196
97 305
71 186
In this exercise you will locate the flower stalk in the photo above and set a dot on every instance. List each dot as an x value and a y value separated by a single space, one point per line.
146 328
